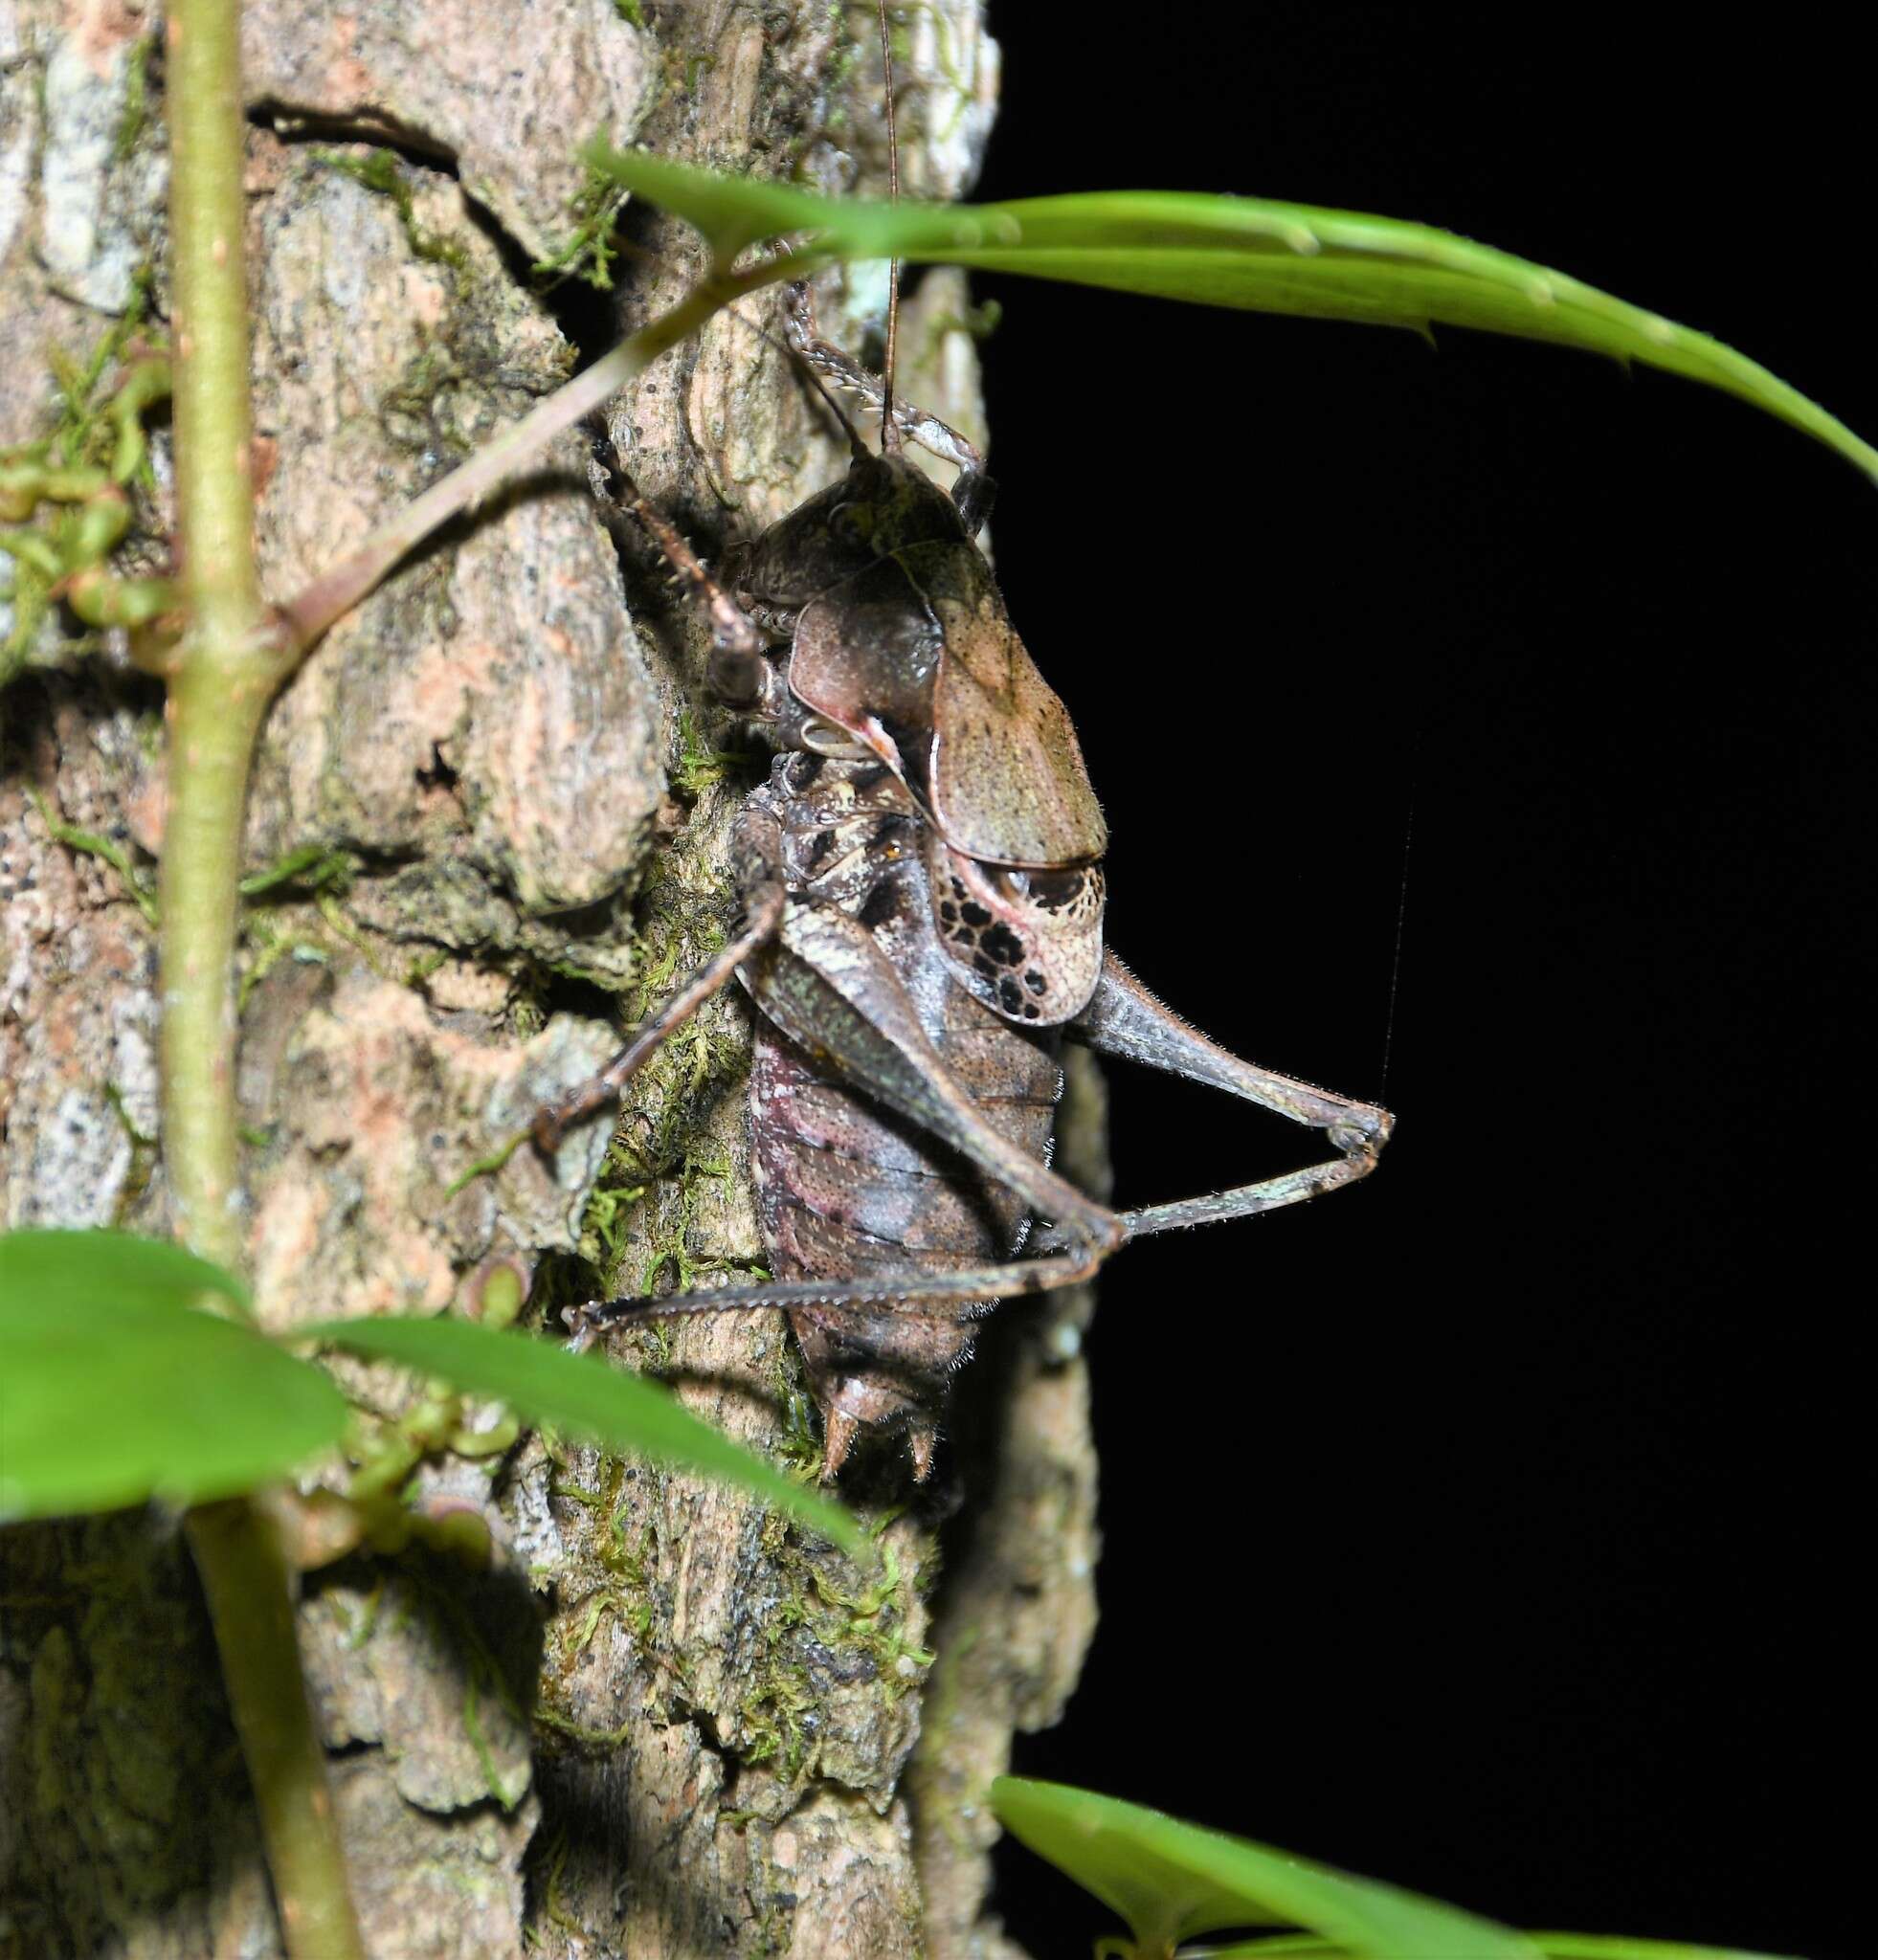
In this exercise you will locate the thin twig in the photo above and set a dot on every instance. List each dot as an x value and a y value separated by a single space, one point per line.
337 590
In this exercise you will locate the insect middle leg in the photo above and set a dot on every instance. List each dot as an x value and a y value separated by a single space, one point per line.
755 851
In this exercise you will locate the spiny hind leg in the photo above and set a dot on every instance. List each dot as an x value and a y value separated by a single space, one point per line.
974 491
1123 1018
823 985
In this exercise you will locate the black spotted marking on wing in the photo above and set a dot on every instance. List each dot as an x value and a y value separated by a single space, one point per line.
1026 944
1003 945
1010 960
995 951
990 941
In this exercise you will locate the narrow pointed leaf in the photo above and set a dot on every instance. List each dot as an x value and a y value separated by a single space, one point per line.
1618 1947
1240 251
544 1383
1172 1880
112 1391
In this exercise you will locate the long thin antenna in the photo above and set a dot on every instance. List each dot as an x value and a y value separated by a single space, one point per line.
889 428
1395 965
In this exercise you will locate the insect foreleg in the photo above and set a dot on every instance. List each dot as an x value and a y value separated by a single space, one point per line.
756 849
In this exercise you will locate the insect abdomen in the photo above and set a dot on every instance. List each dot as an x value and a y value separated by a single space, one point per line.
845 1186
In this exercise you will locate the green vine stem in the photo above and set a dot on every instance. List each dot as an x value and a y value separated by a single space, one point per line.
245 1576
220 679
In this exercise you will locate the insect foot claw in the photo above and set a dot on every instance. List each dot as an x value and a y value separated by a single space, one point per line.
583 1329
549 1133
1363 1133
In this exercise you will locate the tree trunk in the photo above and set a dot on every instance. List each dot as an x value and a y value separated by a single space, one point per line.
652 1722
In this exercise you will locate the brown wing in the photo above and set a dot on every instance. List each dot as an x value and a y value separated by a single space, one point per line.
1008 785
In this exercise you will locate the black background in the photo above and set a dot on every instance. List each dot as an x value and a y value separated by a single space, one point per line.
1492 1529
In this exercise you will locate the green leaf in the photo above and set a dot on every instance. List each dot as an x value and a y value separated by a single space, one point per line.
1240 251
544 1383
1555 1946
113 1389
1170 1881
1617 1947
76 1269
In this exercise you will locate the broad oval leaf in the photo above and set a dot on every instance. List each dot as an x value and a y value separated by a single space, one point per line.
1170 1881
114 1391
79 1268
544 1383
1242 252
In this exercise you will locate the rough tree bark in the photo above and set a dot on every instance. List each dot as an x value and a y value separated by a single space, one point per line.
655 1722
